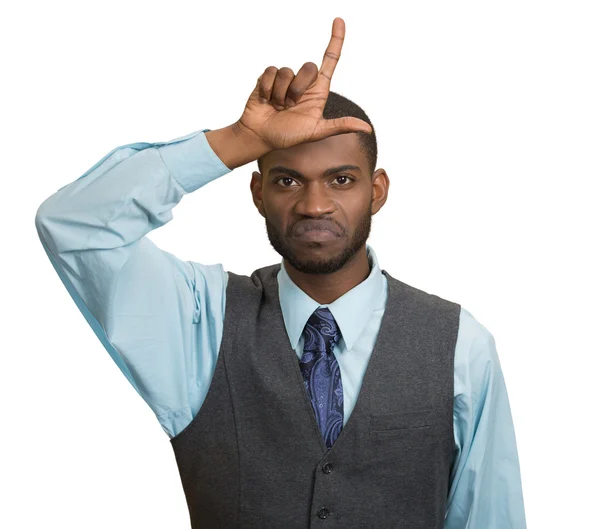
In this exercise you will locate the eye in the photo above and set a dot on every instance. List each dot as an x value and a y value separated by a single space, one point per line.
290 179
284 178
348 178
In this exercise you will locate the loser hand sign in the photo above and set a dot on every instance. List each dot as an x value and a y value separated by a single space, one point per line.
286 109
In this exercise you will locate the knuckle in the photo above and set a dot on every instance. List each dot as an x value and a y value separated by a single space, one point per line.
287 72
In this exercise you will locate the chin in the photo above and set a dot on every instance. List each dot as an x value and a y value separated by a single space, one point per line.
322 261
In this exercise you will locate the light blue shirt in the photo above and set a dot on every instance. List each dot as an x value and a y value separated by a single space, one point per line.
161 318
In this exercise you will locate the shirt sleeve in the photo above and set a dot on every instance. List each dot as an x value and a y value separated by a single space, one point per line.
485 479
159 318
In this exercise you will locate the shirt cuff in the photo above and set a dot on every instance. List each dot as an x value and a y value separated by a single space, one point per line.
191 161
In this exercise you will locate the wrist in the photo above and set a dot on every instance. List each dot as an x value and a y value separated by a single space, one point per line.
236 145
252 142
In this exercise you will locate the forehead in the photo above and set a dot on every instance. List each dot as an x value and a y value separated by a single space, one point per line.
316 156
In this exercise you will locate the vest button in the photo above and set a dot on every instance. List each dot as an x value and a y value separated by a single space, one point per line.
323 513
327 468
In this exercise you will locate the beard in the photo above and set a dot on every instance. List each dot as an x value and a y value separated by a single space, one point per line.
322 266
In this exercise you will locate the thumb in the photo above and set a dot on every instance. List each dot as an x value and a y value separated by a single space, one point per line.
330 127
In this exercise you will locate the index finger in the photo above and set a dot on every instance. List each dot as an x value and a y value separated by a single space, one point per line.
334 49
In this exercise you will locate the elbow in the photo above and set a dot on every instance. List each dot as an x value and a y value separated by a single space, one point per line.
42 216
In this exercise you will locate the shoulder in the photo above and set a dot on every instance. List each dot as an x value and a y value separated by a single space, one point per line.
423 301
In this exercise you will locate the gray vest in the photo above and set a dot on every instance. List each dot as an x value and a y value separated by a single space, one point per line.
253 456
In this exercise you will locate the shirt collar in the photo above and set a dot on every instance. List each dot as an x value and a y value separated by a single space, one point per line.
351 310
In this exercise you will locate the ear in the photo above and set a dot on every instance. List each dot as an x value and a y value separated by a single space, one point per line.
256 190
380 186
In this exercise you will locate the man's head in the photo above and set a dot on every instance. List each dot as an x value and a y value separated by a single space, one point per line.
328 184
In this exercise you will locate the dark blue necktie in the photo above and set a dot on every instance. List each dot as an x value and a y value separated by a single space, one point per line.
321 373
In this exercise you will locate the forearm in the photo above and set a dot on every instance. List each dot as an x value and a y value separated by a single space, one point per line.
130 192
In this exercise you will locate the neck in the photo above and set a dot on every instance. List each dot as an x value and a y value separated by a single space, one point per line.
326 288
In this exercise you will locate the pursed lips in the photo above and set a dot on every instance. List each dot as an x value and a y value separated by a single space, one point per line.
316 226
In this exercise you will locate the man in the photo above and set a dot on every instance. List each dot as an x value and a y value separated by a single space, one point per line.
319 391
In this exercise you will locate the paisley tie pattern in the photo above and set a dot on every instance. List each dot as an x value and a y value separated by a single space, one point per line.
321 373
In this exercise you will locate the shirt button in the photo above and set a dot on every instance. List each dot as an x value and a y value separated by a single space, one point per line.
323 513
327 468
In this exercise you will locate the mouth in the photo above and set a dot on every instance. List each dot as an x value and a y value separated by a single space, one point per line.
317 236
316 231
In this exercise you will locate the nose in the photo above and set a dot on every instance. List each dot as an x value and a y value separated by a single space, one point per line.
314 200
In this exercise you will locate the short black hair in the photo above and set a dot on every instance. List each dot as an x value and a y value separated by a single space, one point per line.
338 106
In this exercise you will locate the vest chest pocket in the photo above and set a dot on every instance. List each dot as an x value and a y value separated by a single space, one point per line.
391 424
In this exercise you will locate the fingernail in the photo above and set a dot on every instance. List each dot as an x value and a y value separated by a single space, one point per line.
289 102
263 99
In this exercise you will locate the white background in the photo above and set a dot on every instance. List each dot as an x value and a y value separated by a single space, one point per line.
487 120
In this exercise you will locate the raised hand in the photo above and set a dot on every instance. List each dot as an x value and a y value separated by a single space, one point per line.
286 109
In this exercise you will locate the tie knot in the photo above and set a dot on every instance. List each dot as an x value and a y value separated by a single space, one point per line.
321 330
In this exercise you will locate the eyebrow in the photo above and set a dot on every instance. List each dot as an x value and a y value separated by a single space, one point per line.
327 172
